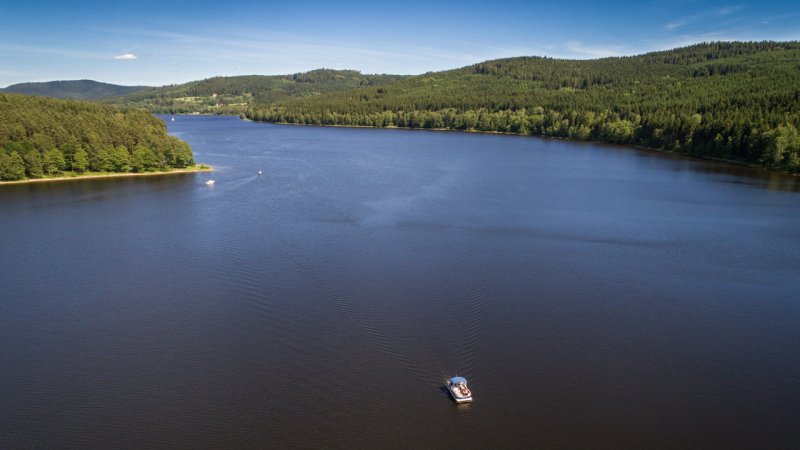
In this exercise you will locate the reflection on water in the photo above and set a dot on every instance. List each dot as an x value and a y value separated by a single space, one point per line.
746 176
594 296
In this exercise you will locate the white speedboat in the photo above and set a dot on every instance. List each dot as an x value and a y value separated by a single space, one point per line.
210 183
457 386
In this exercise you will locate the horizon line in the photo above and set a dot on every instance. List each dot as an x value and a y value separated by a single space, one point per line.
544 56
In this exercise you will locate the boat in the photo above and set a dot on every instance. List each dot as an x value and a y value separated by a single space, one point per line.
210 183
457 386
173 118
259 172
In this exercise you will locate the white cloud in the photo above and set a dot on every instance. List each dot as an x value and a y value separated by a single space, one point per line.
126 57
676 24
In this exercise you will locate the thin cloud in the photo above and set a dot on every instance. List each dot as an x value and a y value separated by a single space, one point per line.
676 24
581 50
728 10
126 57
283 50
48 51
702 16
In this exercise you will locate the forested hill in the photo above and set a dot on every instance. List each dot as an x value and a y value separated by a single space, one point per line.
729 100
40 136
234 95
73 89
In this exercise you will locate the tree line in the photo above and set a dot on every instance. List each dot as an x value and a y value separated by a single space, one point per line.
736 101
41 136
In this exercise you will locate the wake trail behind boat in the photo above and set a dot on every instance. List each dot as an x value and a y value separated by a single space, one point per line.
473 313
231 184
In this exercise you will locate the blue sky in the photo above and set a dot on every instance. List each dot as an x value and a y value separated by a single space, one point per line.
166 42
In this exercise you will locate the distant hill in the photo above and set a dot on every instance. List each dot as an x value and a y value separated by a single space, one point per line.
736 101
73 89
235 95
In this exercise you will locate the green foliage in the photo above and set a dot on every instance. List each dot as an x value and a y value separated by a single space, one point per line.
103 160
120 159
728 100
33 163
73 89
143 159
50 136
12 167
234 95
53 161
783 148
181 154
80 161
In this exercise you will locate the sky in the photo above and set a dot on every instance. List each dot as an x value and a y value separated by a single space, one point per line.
169 42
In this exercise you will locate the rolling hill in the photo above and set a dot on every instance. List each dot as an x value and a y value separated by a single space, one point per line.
74 89
735 101
235 95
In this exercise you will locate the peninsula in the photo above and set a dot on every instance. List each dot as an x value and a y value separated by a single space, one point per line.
49 139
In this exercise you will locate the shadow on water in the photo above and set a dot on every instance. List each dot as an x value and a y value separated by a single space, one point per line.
723 172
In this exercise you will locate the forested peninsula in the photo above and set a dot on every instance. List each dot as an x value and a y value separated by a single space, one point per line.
734 101
42 137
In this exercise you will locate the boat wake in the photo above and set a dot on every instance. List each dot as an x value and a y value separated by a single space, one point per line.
474 304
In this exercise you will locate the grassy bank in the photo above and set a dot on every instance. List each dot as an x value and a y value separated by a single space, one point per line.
66 176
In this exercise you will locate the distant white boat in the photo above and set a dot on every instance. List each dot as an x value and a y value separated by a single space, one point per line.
259 172
457 386
210 183
173 118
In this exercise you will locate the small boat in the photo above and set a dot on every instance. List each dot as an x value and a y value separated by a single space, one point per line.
457 386
259 172
173 118
210 183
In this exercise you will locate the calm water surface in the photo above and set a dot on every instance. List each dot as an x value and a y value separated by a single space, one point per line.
594 296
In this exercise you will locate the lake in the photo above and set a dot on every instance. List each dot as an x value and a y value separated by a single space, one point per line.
593 295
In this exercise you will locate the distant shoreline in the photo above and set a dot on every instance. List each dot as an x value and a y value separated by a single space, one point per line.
541 136
94 176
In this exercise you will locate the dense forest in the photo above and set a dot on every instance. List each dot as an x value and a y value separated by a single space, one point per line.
72 89
734 101
235 95
40 137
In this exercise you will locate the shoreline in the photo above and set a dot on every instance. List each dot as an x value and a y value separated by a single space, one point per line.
95 176
541 136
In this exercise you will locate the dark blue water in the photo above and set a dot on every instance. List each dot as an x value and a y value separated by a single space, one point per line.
594 296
